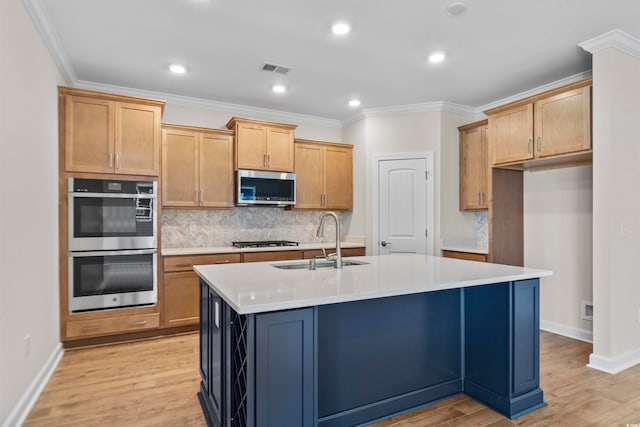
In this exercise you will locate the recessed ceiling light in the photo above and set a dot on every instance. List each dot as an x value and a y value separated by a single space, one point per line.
177 68
456 8
340 28
354 103
279 88
436 57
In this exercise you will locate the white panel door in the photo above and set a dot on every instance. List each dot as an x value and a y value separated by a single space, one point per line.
402 206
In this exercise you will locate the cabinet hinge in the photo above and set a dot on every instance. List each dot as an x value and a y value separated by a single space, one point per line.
426 174
426 232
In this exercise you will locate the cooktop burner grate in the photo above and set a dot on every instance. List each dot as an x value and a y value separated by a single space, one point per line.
264 243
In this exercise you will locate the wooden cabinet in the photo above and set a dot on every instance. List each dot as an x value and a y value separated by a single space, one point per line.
537 130
346 252
468 256
262 145
181 286
271 256
105 133
111 325
324 175
197 167
474 166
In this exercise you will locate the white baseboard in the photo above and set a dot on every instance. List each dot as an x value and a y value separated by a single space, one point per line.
613 365
566 331
28 399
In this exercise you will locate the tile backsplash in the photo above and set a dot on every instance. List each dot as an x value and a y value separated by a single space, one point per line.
205 228
482 228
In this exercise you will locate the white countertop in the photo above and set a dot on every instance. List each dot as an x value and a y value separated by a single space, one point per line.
231 249
260 287
471 246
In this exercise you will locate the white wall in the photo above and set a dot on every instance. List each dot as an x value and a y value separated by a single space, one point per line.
410 133
558 237
28 203
455 225
616 208
216 119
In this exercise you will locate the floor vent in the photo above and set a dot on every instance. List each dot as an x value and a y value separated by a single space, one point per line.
587 310
274 68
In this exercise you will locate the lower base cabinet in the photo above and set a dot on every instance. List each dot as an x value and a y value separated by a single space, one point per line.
321 366
243 356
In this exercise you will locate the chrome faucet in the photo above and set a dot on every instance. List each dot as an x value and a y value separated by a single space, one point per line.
337 256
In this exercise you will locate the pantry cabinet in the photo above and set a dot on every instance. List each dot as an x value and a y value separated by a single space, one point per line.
474 166
536 130
106 133
262 145
197 167
324 175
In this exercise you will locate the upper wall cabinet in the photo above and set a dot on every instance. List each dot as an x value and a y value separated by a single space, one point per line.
473 166
324 175
105 133
262 145
197 167
543 129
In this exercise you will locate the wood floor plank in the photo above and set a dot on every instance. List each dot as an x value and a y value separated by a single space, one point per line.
154 383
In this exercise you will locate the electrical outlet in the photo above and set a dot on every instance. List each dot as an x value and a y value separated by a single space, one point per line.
192 226
27 346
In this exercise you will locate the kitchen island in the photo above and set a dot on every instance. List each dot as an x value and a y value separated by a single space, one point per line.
343 347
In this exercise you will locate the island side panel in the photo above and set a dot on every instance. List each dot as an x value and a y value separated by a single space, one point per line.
383 356
502 346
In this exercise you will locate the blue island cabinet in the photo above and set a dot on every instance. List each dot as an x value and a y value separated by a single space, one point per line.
356 362
269 355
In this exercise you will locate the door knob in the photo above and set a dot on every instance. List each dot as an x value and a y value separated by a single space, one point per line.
383 243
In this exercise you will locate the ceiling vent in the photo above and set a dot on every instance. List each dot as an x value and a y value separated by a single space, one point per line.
280 69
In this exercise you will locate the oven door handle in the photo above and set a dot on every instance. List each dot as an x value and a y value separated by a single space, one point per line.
114 195
110 253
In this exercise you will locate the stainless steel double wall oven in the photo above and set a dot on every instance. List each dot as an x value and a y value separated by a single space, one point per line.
113 243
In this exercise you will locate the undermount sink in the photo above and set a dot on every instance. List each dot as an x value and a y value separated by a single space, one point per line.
307 265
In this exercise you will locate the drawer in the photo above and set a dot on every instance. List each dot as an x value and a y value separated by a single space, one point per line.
271 256
112 325
313 253
186 263
469 256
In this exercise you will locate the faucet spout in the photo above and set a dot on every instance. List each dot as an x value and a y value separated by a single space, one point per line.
337 261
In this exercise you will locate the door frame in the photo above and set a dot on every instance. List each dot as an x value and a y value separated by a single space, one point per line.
428 157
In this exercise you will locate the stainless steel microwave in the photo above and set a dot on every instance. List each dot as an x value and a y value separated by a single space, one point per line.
265 188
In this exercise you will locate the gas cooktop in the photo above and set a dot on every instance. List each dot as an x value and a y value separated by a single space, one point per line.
264 243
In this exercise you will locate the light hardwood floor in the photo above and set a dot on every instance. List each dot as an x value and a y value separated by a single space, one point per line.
154 383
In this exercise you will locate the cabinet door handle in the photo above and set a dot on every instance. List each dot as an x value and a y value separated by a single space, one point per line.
110 159
530 146
479 198
216 309
264 160
90 328
138 323
183 264
117 161
268 160
226 261
197 196
201 196
539 144
482 198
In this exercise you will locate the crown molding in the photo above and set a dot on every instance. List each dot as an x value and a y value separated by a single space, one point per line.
235 109
424 107
615 38
535 91
40 18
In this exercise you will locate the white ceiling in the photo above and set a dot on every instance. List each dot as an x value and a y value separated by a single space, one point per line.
495 49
